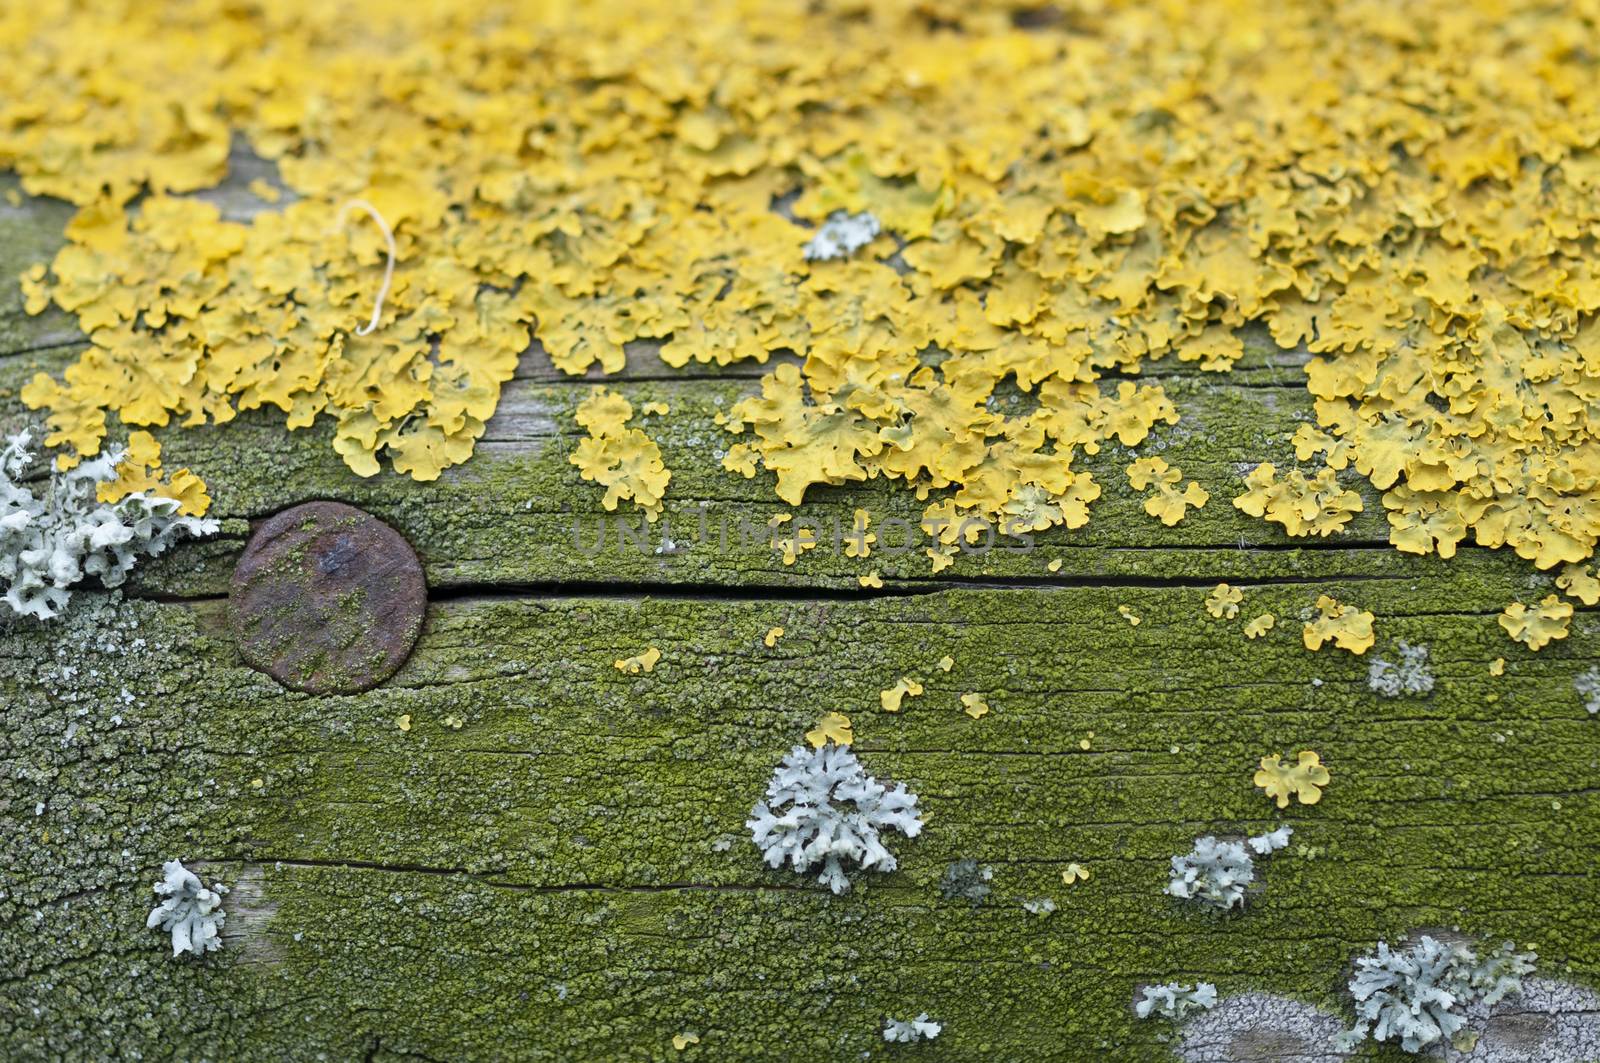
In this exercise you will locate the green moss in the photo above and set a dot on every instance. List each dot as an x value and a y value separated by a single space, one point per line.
546 881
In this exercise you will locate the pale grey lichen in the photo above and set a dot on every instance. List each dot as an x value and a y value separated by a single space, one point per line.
1587 684
1420 994
823 808
966 880
1259 1027
842 235
1039 906
1174 1001
910 1032
51 542
189 911
1411 676
1548 1022
1217 872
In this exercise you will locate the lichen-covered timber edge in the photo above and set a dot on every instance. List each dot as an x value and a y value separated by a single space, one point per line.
567 875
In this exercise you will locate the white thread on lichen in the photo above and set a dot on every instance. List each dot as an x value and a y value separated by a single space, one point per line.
1174 1001
1419 994
1217 872
1411 676
823 808
189 911
51 542
910 1032
841 236
388 268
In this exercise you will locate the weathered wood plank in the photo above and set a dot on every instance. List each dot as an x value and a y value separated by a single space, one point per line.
546 880
567 875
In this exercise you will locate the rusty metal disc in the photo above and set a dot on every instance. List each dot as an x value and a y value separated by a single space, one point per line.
327 599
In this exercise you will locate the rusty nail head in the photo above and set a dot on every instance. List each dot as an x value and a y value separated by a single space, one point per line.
327 599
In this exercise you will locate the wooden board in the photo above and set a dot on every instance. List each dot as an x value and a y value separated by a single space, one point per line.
567 875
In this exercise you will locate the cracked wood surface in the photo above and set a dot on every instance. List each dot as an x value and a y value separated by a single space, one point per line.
566 874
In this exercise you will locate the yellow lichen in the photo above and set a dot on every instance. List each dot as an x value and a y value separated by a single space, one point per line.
1254 629
140 470
1129 615
891 699
623 460
1578 581
974 705
772 636
1223 601
833 727
1539 625
1304 506
1345 626
1074 872
1167 504
1303 779
1074 199
642 662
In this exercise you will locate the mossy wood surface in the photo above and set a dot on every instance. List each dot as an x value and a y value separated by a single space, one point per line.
566 875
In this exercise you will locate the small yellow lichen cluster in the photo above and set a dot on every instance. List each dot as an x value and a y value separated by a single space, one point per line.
892 698
1345 626
640 662
834 727
1167 504
1059 198
1303 779
1304 506
974 705
623 460
1223 604
1223 601
1539 625
140 470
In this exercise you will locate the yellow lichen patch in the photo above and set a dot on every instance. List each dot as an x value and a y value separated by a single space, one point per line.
642 662
1304 506
1129 615
1578 581
1223 601
1074 872
1054 566
1304 779
858 541
799 539
871 579
1167 504
772 636
623 460
1497 666
974 705
680 1041
140 470
946 663
891 699
833 727
1254 629
1538 626
1068 200
1345 626
403 722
